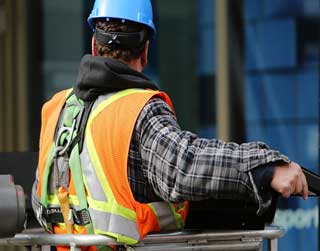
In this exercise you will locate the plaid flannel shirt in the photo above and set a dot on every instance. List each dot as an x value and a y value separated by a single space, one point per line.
167 163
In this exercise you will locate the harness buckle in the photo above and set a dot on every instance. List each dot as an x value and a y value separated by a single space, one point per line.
62 149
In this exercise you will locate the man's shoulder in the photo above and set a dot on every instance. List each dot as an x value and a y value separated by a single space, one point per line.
55 101
156 104
155 109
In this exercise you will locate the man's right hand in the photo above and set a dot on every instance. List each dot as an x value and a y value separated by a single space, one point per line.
289 179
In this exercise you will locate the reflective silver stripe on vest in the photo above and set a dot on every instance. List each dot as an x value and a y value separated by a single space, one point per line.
104 221
165 215
90 175
92 180
100 99
114 224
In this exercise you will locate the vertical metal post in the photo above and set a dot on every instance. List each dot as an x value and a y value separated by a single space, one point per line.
272 244
222 83
230 70
73 247
7 95
13 95
21 112
2 31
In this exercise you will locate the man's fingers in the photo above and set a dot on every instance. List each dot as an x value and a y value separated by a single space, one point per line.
298 188
305 189
286 191
301 186
289 179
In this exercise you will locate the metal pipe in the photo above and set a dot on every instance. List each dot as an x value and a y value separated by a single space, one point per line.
182 239
268 233
202 247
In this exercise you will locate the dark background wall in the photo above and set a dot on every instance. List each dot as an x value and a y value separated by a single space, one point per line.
177 52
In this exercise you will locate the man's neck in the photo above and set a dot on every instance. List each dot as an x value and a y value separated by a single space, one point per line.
136 65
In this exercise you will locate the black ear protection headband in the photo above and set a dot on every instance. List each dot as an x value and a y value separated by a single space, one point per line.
121 40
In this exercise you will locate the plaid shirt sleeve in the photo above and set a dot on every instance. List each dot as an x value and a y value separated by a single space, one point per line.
181 166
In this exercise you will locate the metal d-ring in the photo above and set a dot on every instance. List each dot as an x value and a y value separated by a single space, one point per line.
70 131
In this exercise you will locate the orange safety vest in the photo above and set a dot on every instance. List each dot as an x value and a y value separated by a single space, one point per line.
104 159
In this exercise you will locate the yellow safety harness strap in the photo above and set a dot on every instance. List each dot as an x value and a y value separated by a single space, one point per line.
65 209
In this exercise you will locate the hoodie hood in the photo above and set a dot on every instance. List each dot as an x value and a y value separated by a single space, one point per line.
99 75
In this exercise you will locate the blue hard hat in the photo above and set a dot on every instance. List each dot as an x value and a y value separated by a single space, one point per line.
139 11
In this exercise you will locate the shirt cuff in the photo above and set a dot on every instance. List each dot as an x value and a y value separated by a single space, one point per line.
262 176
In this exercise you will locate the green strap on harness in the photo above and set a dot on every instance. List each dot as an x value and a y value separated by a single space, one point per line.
68 130
49 163
76 171
74 159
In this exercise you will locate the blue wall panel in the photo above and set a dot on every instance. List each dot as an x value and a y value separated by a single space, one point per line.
207 51
297 8
283 138
280 92
307 91
251 91
257 132
275 8
206 10
252 51
253 10
282 99
299 142
308 146
207 132
207 39
254 98
271 45
271 96
311 8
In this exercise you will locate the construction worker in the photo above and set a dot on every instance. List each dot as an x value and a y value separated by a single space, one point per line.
113 159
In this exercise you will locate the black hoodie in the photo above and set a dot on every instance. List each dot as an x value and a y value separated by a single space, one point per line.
100 75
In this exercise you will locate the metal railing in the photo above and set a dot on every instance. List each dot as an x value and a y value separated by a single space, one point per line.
176 241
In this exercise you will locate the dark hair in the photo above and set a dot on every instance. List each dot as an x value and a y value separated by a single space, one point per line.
116 25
